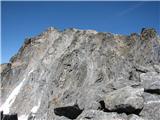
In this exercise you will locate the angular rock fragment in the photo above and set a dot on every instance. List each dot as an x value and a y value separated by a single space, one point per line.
157 68
134 117
151 82
151 109
150 97
100 115
61 118
127 100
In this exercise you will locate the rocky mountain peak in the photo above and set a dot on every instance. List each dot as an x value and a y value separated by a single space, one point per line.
84 74
148 33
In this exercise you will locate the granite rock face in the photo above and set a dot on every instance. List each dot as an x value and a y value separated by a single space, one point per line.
84 74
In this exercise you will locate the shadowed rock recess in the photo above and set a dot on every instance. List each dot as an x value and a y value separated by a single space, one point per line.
83 75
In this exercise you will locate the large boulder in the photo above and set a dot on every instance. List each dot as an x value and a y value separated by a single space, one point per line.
127 99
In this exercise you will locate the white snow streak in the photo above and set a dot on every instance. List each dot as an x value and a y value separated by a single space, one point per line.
8 103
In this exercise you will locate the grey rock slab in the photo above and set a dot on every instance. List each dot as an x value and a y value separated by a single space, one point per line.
61 118
157 68
150 80
151 109
150 97
100 115
135 117
124 97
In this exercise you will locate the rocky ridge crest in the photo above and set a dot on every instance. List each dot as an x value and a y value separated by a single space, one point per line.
84 74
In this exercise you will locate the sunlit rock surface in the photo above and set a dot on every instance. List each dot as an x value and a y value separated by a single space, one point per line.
99 76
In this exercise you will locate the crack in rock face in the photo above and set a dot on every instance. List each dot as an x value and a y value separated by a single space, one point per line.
112 77
155 91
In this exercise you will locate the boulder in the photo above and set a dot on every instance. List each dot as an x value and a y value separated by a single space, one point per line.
126 100
151 109
100 115
134 117
151 82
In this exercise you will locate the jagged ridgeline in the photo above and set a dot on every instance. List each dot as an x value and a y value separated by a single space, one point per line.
83 74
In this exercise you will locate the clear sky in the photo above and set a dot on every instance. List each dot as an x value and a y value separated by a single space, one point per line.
25 19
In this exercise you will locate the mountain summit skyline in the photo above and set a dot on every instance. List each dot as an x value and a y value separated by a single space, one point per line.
23 19
83 74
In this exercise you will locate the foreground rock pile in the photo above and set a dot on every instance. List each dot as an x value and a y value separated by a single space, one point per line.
82 75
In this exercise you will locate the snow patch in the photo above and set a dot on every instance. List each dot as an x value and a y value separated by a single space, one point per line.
8 103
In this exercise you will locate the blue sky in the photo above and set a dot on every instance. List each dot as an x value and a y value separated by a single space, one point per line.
25 19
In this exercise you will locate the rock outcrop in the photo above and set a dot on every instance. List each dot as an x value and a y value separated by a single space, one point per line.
84 74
